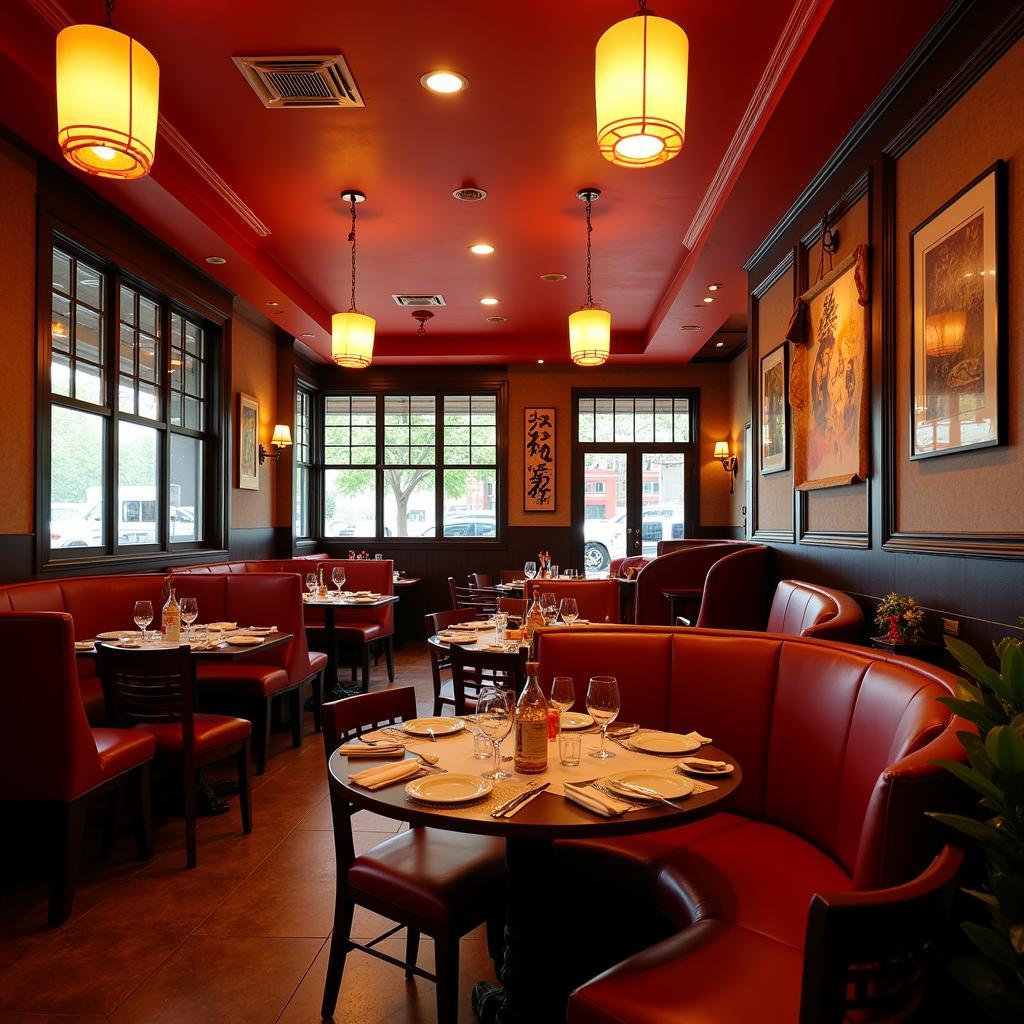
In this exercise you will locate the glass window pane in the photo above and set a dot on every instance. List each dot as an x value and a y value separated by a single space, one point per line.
484 456
127 303
663 420
193 414
644 419
88 383
456 456
186 496
484 435
76 479
147 357
301 501
60 323
176 413
126 394
149 401
61 272
149 314
60 374
409 502
364 435
469 503
364 456
396 435
456 435
89 285
137 459
88 334
127 349
350 503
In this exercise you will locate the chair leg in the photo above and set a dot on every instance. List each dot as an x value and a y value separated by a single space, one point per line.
366 667
343 908
142 814
317 686
412 950
245 787
295 700
261 733
190 813
110 825
68 823
389 658
446 970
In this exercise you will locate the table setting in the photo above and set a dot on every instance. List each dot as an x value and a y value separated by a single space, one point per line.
199 637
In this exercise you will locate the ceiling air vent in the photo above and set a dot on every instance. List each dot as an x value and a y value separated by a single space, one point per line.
321 80
418 300
470 194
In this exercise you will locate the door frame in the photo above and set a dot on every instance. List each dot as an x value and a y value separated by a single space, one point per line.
632 449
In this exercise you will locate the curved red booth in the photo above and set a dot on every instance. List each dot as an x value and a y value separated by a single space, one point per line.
597 600
807 609
836 744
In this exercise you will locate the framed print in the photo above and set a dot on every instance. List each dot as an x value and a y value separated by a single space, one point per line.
248 442
774 411
828 386
539 460
958 344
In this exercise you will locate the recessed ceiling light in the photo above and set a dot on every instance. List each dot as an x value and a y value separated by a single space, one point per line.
444 82
216 260
470 194
540 362
488 300
552 277
690 327
307 334
708 298
497 319
271 302
719 344
278 312
481 249
714 286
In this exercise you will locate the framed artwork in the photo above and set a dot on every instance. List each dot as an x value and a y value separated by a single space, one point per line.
539 460
958 309
775 411
828 386
248 442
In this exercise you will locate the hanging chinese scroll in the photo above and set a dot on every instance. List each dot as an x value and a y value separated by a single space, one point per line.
539 461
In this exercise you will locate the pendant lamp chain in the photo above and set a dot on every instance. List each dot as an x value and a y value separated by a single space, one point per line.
643 12
590 228
352 239
110 13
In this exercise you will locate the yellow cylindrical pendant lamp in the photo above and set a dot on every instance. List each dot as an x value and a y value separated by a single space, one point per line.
640 85
352 339
108 89
590 336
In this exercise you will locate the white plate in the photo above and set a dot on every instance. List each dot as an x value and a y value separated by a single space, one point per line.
244 641
449 788
667 784
692 769
662 743
117 634
440 726
459 638
256 630
575 720
477 624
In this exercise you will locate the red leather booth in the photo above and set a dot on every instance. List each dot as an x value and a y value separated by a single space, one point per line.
836 744
807 609
597 600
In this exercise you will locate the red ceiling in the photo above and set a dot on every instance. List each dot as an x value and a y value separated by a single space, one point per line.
523 130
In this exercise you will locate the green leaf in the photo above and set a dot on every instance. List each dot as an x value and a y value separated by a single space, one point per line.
975 747
1005 749
978 782
977 976
986 897
991 944
965 691
1011 665
978 830
980 714
1017 939
972 662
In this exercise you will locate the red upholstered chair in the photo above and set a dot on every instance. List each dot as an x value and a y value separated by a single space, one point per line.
626 568
667 546
736 590
153 691
597 600
513 607
807 609
48 753
439 883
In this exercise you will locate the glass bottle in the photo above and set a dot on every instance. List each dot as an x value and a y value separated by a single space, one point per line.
532 725
170 616
533 619
321 583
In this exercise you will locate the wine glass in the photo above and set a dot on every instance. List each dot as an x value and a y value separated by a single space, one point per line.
338 578
495 717
549 608
530 570
563 694
311 583
189 614
569 610
143 616
603 706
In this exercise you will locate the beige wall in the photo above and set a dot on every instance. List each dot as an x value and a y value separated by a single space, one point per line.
552 386
17 337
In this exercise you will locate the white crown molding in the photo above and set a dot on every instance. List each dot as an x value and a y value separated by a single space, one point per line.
750 124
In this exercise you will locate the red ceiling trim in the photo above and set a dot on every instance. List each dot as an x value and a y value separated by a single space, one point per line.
52 12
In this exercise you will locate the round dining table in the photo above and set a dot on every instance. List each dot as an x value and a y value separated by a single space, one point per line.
530 978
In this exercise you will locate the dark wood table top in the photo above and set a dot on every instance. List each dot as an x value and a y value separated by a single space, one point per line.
408 581
549 816
329 602
225 652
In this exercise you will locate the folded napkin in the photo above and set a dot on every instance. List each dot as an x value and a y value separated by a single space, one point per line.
375 778
382 750
697 738
84 645
479 624
599 803
222 627
702 763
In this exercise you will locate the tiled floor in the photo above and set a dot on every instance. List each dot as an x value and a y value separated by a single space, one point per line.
242 938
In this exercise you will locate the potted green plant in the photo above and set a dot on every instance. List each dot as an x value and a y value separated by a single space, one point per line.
994 974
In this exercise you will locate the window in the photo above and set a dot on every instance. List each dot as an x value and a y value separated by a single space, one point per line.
130 442
419 466
634 420
303 450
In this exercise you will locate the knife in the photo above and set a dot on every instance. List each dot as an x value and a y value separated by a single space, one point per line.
512 801
532 795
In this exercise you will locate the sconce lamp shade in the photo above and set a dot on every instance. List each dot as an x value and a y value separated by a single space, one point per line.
108 88
282 436
944 333
589 336
352 339
721 449
640 85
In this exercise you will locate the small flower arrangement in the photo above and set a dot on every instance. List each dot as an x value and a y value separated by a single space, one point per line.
360 556
901 617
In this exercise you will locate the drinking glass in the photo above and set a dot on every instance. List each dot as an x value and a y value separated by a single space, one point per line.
338 577
143 616
200 636
603 706
569 746
549 608
481 743
569 610
563 694
377 557
553 572
495 714
311 583
500 622
189 614
530 570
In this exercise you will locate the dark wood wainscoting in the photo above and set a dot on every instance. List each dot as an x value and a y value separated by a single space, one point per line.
17 555
252 544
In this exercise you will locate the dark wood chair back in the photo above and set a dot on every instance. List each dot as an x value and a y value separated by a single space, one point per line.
511 575
876 956
481 601
481 579
439 662
473 670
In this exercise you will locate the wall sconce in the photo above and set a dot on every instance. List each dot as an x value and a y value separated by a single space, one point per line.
728 461
282 439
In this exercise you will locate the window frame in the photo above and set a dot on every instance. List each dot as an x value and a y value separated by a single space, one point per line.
171 299
497 389
305 393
